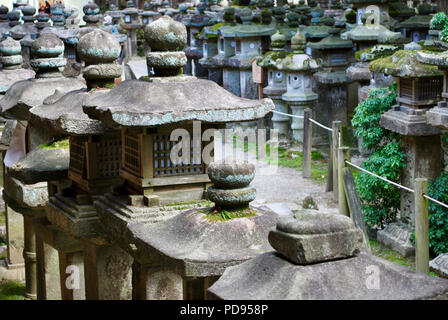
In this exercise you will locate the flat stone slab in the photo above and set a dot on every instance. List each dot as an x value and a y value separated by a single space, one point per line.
438 117
27 196
440 265
397 238
41 165
24 95
270 277
135 103
65 115
8 77
135 69
200 248
408 125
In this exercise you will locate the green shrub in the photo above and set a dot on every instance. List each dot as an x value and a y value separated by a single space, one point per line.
380 200
439 21
438 215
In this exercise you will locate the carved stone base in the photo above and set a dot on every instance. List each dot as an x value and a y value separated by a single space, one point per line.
397 238
12 271
440 265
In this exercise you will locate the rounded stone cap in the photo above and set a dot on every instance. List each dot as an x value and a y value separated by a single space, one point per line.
3 9
14 15
47 45
91 8
305 222
28 10
278 40
10 47
231 175
165 34
298 41
42 17
98 46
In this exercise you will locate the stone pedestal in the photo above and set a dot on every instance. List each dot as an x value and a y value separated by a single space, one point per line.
49 286
423 156
280 122
297 123
107 271
15 237
159 284
231 81
440 265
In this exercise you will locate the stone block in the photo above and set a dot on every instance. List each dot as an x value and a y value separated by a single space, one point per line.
136 200
151 200
440 265
397 238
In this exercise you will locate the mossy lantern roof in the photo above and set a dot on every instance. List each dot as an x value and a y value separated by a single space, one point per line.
417 22
298 62
371 33
437 59
404 64
316 32
247 30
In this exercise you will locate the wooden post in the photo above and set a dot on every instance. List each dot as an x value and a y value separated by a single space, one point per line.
421 226
343 154
335 144
307 134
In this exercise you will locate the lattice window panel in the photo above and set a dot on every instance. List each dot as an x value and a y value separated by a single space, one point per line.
109 157
77 157
429 88
238 46
132 149
406 88
163 165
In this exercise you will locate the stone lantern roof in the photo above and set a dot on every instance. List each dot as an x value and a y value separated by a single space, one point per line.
14 18
404 64
92 14
46 59
28 27
333 41
377 33
434 58
421 20
62 114
135 103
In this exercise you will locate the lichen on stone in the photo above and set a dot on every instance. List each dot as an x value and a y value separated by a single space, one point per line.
60 144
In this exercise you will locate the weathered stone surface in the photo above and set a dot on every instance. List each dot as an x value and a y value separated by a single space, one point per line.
47 45
24 95
231 175
309 203
270 277
8 77
165 34
139 103
440 265
201 248
102 71
397 238
438 117
28 196
166 59
414 124
228 198
311 237
7 132
40 165
98 46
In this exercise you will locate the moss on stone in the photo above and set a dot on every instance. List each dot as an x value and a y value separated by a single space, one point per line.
271 57
217 215
61 144
404 64
12 290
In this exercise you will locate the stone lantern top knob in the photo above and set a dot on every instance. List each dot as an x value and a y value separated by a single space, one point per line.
100 50
10 54
46 52
3 9
245 15
278 41
298 42
166 38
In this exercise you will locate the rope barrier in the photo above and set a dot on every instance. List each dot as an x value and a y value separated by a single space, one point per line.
436 201
287 114
379 177
302 117
321 125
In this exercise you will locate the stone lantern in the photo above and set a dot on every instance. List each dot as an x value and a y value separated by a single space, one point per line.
209 39
131 24
438 117
28 26
276 81
419 88
332 81
148 16
57 14
71 17
299 81
153 179
42 19
248 44
11 60
93 167
4 26
417 27
194 49
14 18
92 16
